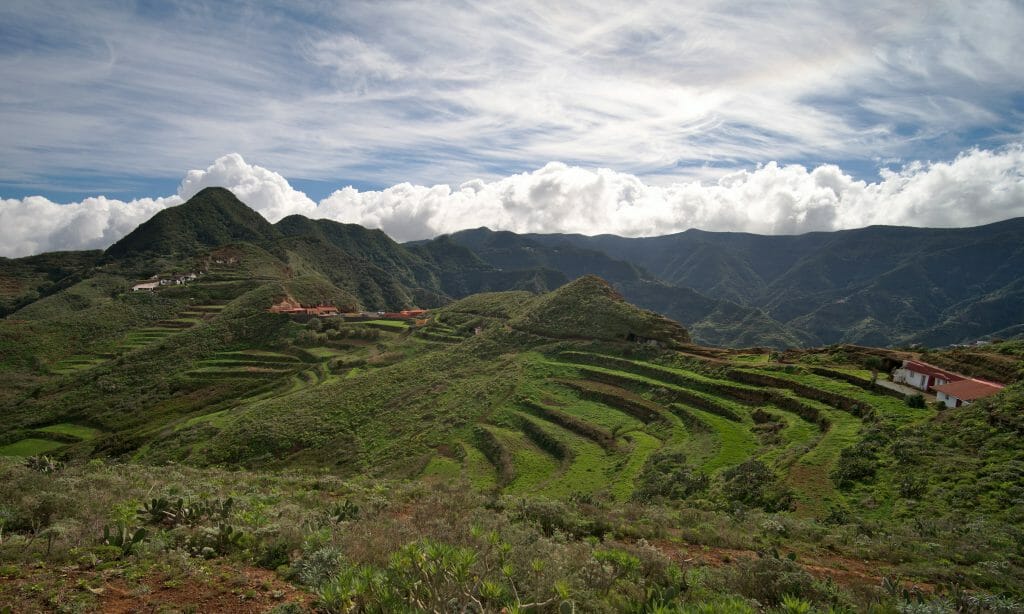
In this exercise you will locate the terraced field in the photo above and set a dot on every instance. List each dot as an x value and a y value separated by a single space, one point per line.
247 364
49 438
585 422
443 331
140 338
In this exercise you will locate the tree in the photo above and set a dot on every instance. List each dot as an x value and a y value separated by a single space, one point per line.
876 364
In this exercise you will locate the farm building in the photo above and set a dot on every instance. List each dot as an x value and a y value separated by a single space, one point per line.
146 286
965 392
293 307
923 376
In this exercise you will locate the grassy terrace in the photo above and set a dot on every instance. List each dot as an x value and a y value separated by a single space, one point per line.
30 446
733 441
809 475
719 439
139 338
889 408
84 433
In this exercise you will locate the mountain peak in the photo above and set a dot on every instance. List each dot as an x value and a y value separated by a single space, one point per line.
212 217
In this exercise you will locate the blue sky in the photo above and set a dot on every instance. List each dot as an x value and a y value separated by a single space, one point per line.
121 98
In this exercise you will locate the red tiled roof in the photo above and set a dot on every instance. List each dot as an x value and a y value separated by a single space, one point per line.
927 369
969 389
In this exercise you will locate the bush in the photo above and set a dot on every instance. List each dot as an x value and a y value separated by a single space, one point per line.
769 580
915 400
753 484
667 475
319 566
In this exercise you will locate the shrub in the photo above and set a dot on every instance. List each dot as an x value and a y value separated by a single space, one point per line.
274 555
319 566
667 475
768 579
915 400
754 484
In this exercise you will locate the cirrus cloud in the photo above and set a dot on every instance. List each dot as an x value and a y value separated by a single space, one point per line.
977 187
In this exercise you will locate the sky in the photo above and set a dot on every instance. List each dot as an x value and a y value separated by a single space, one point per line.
421 118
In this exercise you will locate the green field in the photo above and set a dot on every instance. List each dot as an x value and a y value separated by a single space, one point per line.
74 430
29 447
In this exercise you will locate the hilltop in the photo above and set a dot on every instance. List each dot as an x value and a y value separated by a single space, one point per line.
211 218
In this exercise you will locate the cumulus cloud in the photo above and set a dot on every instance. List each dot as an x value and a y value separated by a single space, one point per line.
977 187
262 189
35 224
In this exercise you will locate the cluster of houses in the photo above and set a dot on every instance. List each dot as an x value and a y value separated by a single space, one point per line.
157 281
952 389
294 308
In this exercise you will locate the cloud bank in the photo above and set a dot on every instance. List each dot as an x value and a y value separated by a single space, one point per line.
977 187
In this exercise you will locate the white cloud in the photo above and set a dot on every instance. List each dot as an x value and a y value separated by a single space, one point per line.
978 187
263 190
33 225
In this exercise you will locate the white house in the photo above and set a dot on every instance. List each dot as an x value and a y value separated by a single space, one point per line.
965 392
147 286
923 376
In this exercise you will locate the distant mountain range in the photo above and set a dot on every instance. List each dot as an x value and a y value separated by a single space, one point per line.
877 285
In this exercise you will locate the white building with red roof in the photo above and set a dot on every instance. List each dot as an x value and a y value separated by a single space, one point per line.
923 376
965 392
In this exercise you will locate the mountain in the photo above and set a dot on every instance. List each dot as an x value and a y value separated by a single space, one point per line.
211 218
24 280
877 285
364 263
712 320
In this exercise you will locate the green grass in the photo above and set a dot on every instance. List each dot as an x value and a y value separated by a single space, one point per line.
396 324
442 467
479 471
82 432
626 378
751 358
734 442
588 468
798 436
642 446
809 476
29 447
325 352
74 364
533 466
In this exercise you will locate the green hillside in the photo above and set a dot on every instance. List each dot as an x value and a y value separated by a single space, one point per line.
211 218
